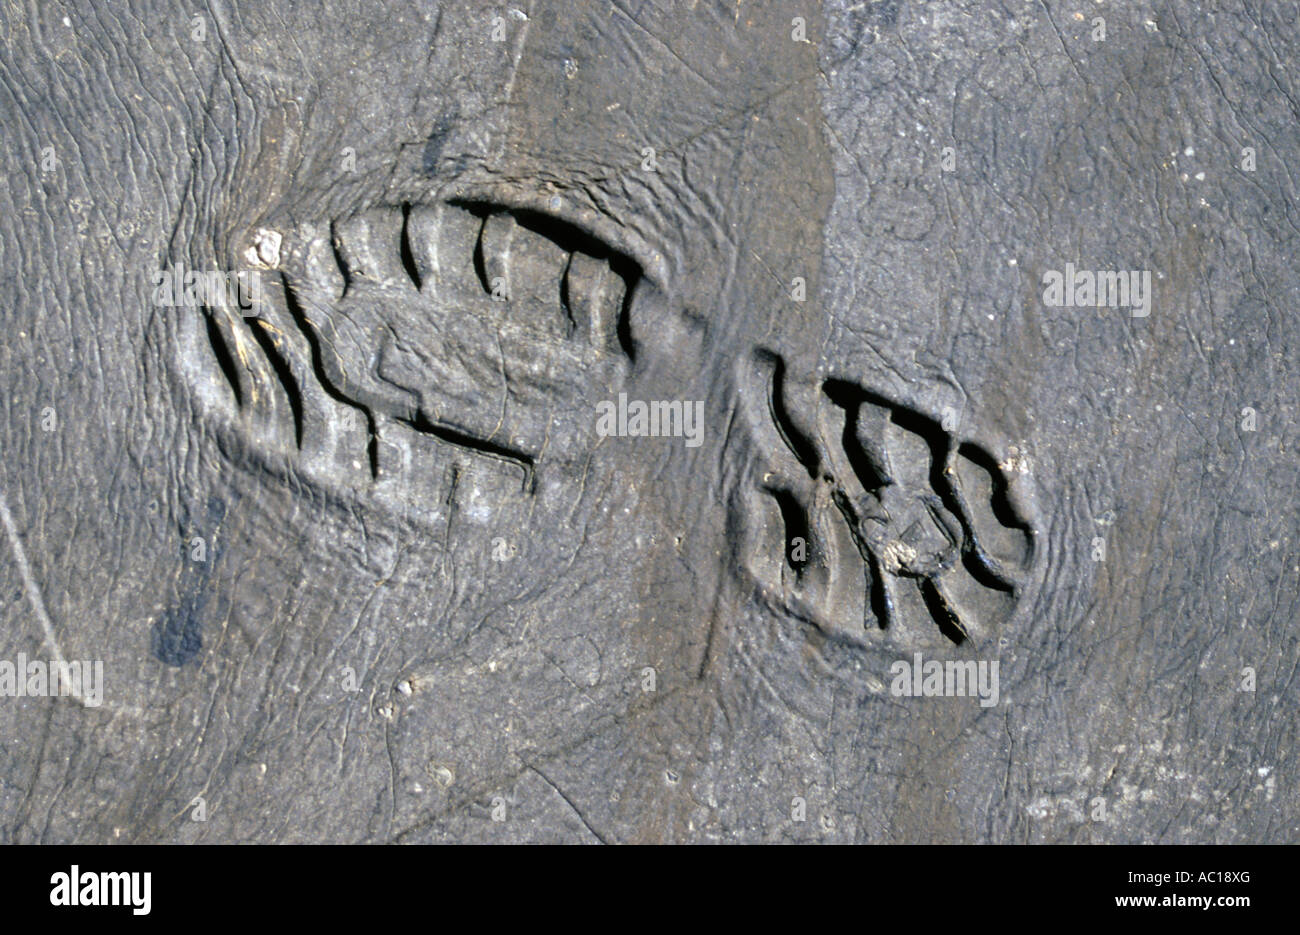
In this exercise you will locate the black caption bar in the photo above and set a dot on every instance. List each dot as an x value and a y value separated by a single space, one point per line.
370 885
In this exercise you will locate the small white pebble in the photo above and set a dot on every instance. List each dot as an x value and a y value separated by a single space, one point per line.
268 247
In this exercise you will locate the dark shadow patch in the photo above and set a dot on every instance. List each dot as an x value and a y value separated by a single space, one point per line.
437 142
945 617
225 360
795 519
177 638
799 444
451 436
408 257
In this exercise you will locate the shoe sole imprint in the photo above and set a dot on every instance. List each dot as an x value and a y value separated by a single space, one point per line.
405 335
864 516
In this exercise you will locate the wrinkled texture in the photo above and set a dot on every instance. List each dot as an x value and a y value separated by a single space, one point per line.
488 220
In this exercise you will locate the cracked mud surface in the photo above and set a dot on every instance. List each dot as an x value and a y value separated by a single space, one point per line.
362 568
